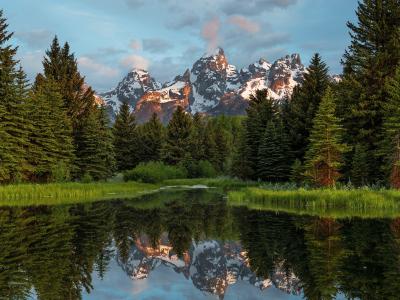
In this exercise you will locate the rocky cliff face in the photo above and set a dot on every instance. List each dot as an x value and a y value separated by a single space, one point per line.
211 86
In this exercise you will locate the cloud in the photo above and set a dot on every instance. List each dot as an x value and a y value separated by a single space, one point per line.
91 66
210 33
134 3
156 45
135 61
253 7
135 45
188 20
36 39
244 24
32 62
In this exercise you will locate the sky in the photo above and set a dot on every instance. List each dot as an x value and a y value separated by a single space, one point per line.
109 38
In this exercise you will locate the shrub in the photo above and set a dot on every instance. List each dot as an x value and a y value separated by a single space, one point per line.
206 169
60 172
153 172
87 178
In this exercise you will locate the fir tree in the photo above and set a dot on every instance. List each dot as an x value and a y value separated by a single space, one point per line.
61 66
151 136
106 143
296 174
261 110
304 105
13 111
324 156
179 129
273 162
125 139
390 148
370 60
359 170
240 165
51 140
91 159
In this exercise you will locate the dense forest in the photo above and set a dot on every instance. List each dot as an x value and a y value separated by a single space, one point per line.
327 132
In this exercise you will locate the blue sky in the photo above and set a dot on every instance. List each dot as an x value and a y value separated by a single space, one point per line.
110 37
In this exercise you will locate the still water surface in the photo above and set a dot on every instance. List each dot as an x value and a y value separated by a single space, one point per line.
193 245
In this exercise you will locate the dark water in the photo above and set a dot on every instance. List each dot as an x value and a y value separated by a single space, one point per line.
192 245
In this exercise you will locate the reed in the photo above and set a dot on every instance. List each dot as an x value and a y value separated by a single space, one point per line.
322 202
68 193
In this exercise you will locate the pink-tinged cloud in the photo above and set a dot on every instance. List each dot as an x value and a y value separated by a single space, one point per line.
89 65
210 33
245 24
135 62
135 45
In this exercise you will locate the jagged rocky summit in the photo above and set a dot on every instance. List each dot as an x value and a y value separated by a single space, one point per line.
212 86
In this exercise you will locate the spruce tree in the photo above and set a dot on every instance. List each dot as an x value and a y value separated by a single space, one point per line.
151 137
240 165
61 66
370 60
304 105
51 144
390 147
125 139
325 153
273 156
177 146
261 110
359 166
13 111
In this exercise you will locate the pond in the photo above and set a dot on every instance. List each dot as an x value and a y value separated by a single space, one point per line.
191 244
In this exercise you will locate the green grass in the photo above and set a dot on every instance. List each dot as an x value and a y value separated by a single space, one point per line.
322 202
68 193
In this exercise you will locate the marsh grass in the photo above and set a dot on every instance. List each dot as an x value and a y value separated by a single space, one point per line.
68 193
322 202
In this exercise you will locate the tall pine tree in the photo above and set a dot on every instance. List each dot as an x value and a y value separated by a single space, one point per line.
370 60
179 129
151 139
125 139
304 105
325 153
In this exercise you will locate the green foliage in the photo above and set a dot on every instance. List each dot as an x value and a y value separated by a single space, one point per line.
126 141
304 105
297 172
154 172
151 137
60 172
324 156
177 144
369 62
359 170
273 154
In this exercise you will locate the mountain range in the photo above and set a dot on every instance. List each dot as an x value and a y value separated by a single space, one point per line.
212 86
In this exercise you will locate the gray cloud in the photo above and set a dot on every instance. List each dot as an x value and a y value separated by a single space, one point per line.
253 7
134 3
36 39
156 45
187 20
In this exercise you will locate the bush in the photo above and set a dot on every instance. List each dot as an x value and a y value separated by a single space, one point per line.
153 172
60 172
206 169
87 178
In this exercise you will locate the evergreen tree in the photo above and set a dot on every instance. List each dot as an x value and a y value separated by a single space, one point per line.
240 166
261 110
370 60
51 140
324 156
61 66
125 139
304 105
14 112
176 147
296 175
390 147
93 143
359 170
106 143
151 136
273 162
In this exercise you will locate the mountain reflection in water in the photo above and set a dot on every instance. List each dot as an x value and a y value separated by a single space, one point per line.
192 245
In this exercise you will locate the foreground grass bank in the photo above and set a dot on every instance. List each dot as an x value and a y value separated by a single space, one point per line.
322 202
68 193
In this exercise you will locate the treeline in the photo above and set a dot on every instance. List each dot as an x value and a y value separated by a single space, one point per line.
348 131
201 145
52 130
